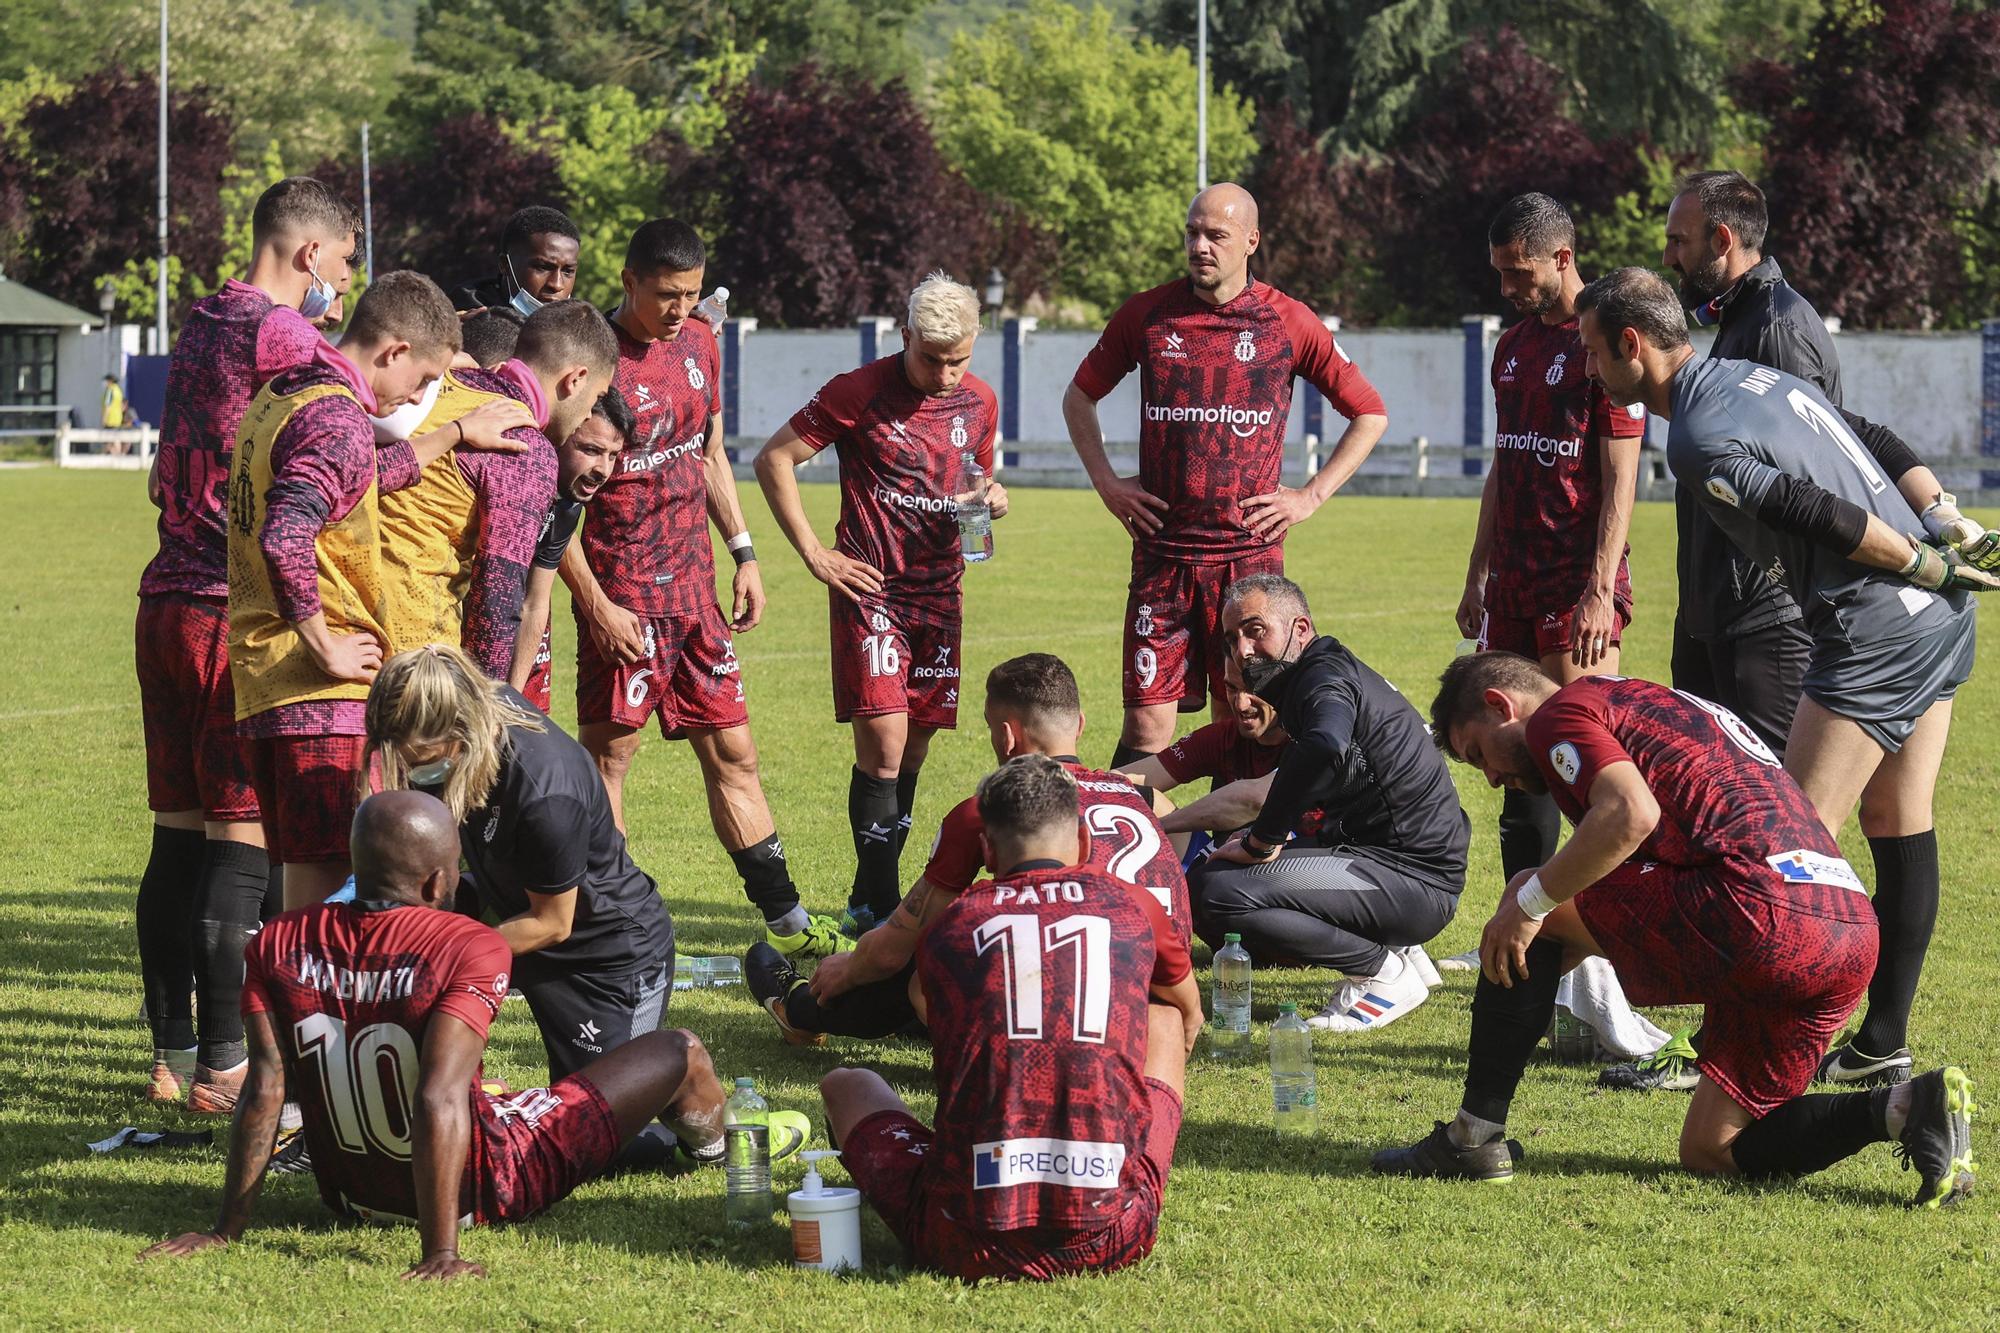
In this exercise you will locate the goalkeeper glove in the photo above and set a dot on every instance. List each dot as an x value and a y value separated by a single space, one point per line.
1949 528
1945 571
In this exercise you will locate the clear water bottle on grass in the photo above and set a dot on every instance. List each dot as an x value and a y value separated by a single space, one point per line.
1294 1097
1229 1019
975 513
746 1137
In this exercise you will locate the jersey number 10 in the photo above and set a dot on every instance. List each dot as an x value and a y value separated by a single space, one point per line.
356 1078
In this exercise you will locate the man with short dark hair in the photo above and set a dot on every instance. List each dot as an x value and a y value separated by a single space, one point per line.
537 264
488 337
1789 482
376 1012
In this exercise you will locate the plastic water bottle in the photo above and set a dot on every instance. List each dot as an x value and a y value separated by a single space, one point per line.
692 973
714 307
1294 1098
1229 1021
975 515
724 970
746 1135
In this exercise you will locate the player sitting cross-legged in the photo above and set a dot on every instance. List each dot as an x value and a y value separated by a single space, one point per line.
376 1011
1059 1083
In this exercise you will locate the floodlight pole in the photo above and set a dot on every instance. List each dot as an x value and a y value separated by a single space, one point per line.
367 210
1200 96
160 291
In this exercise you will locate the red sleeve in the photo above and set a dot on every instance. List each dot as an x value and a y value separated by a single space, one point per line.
1571 741
1118 349
984 450
833 411
477 982
1623 423
1320 361
956 857
1199 753
1171 963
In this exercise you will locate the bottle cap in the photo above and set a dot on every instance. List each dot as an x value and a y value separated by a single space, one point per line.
720 293
1232 938
1288 1008
745 1083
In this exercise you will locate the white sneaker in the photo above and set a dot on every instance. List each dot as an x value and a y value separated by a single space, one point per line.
1362 1006
1460 962
1427 972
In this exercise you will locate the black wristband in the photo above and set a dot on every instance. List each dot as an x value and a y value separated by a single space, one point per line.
461 429
743 555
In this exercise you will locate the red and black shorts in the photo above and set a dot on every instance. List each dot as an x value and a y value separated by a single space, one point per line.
688 677
886 1155
308 789
194 758
1173 626
533 1148
1777 966
1544 635
896 656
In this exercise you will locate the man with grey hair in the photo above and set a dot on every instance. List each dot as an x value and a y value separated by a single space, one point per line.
1216 352
901 426
1383 870
1827 509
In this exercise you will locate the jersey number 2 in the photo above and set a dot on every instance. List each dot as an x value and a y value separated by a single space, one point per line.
356 1075
1022 941
1138 844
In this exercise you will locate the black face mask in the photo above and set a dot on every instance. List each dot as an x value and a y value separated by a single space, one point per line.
1267 678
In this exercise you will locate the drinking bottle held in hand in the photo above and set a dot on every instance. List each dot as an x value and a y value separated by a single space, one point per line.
975 513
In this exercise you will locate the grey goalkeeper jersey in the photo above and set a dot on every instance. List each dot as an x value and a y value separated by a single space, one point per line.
1736 427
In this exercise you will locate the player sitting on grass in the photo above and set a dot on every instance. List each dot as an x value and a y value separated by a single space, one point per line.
1701 870
376 1013
1059 1084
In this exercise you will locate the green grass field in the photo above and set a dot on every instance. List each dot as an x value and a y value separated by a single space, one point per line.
1599 1230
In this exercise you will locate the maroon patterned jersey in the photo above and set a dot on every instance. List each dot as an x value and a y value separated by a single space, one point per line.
1215 393
1218 750
351 992
232 343
647 537
1123 837
1549 470
899 462
1036 987
1725 801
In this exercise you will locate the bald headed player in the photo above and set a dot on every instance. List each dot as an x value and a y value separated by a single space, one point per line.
1217 353
376 1011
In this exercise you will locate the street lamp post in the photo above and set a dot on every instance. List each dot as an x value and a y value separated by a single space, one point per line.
107 302
996 294
1201 94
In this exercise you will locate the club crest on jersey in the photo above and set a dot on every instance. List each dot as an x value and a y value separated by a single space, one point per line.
1555 375
879 623
1246 350
1566 761
958 435
1723 491
696 380
1065 1162
1142 624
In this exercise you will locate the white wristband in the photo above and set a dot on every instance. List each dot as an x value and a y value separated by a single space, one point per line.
740 540
1533 902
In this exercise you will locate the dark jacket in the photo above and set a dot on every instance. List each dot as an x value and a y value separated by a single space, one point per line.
1722 592
1359 751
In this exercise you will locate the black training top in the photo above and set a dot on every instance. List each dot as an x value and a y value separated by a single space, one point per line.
547 828
1360 752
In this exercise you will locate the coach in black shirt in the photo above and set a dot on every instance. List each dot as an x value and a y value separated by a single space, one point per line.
1738 639
1383 873
593 945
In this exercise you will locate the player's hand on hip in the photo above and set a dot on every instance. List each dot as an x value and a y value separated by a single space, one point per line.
619 635
444 1267
829 978
1472 610
1503 945
746 597
1137 508
855 579
190 1242
351 657
1591 625
996 496
1268 516
485 426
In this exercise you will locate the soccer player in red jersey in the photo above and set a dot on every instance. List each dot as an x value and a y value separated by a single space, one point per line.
1216 353
375 1013
651 640
901 426
1032 707
1547 577
1059 1083
1702 871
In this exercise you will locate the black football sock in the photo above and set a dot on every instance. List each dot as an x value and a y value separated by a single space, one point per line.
166 903
227 911
1128 754
1529 828
871 815
767 880
877 1009
906 805
1507 1023
1906 908
274 892
1811 1133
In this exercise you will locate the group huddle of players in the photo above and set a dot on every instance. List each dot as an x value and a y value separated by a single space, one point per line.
344 659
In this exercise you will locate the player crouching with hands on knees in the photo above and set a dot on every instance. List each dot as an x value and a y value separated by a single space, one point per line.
375 1013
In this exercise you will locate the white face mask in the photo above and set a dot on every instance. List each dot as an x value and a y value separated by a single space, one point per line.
525 303
402 423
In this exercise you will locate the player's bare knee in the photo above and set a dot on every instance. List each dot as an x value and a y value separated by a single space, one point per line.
834 1081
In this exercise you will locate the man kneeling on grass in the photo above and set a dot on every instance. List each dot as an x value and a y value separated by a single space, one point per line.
376 1011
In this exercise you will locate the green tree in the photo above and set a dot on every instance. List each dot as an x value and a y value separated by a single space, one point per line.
606 149
1090 134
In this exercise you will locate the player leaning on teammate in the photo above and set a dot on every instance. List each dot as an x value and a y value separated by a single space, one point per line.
375 1013
651 639
900 426
1547 578
1891 617
1059 1082
1216 353
1703 872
